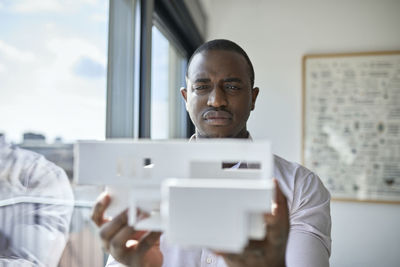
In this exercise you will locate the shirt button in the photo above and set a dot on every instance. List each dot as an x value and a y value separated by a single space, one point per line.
209 260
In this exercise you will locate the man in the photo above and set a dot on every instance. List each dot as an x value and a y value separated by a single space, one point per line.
219 96
36 204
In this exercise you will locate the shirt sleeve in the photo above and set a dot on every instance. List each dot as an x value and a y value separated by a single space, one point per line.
309 243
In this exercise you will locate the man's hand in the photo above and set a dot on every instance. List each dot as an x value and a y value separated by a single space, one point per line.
271 251
127 246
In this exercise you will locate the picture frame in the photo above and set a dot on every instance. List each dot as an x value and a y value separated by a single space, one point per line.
351 124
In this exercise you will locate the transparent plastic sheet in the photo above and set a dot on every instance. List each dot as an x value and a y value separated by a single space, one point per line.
33 233
36 204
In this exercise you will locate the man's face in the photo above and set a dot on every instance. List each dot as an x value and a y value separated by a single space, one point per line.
219 96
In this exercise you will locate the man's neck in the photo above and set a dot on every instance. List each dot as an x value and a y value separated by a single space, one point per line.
243 135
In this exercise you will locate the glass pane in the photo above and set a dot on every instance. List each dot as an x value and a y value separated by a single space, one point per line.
53 59
167 76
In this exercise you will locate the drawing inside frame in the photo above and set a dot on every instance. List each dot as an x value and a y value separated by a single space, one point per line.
351 124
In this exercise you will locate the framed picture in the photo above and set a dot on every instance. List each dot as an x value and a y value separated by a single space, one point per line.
351 124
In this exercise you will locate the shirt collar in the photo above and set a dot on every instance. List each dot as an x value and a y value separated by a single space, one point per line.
194 137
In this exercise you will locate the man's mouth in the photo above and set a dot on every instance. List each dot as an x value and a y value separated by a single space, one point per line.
217 117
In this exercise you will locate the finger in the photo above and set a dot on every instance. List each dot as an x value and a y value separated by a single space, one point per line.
148 241
277 223
99 209
280 212
141 214
232 259
119 240
255 245
108 230
111 232
281 215
280 198
280 207
270 220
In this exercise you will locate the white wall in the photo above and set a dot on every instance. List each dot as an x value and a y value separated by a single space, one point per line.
276 34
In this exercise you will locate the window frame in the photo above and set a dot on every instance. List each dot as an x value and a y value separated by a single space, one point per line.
129 56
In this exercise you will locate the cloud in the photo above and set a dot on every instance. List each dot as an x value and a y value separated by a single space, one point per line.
47 95
75 57
91 2
69 50
2 68
33 6
12 53
100 17
50 69
72 66
37 6
87 67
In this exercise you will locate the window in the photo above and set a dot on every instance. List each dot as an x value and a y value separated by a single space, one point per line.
53 62
87 69
53 58
160 35
167 77
53 69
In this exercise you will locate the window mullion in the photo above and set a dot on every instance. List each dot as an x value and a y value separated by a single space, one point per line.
121 67
147 7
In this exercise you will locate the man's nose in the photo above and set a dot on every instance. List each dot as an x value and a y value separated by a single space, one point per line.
217 98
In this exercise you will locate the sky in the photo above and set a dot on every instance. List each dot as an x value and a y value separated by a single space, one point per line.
53 60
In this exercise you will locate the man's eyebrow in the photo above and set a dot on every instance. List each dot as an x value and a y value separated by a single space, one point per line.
232 80
202 80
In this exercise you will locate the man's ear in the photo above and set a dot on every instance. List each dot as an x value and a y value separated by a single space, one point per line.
254 94
184 95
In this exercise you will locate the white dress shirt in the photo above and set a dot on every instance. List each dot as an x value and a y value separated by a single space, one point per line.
309 243
36 204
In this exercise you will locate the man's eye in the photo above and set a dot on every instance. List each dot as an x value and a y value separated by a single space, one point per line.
231 87
201 87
